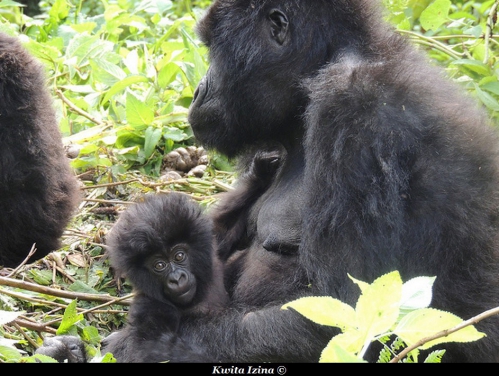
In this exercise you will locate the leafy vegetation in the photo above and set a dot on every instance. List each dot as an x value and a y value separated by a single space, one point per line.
385 308
122 74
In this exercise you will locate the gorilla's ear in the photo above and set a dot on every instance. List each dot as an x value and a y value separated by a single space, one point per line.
278 25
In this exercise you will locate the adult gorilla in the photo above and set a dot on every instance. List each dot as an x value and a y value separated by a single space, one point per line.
385 166
389 167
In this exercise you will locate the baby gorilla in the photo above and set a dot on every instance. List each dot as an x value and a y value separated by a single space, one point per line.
164 247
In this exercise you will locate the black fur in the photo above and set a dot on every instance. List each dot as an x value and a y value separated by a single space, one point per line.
38 191
152 233
388 166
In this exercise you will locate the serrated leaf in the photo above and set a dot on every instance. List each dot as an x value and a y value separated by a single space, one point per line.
337 351
377 309
324 310
9 353
435 14
427 322
41 358
138 112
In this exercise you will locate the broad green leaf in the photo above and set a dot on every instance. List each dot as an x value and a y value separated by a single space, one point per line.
138 112
8 316
70 318
487 99
473 65
121 85
324 310
88 149
42 277
427 322
435 14
9 3
491 86
167 74
91 335
153 135
59 9
174 134
84 47
40 358
106 72
337 351
9 353
377 309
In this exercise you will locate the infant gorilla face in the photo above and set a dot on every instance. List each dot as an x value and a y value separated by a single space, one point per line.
173 270
163 245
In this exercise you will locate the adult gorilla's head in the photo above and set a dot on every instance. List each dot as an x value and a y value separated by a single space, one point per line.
260 51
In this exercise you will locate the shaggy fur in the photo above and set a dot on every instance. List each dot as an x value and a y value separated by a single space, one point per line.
388 166
150 233
38 191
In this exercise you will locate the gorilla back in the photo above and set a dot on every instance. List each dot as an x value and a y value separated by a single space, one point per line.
389 166
38 191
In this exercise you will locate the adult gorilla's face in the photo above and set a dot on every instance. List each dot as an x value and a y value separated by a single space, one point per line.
251 91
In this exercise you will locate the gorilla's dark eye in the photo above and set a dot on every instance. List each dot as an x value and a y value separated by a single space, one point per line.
179 256
159 266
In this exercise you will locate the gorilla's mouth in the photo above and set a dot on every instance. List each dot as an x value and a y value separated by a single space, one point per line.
185 298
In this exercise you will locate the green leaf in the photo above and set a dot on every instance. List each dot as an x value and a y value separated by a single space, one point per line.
121 85
487 99
167 74
175 134
91 335
491 86
153 135
9 353
324 310
336 353
42 277
70 318
377 309
40 358
9 3
138 112
427 322
435 356
435 14
473 65
106 72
